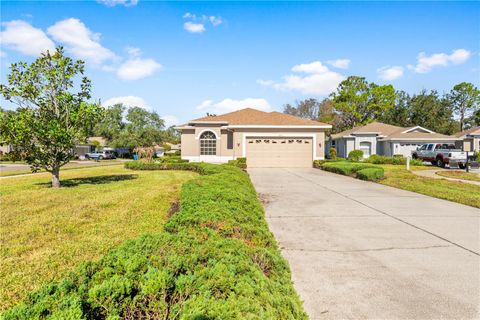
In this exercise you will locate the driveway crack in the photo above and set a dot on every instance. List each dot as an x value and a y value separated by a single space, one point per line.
366 250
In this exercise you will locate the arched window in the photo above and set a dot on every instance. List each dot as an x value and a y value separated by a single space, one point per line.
208 144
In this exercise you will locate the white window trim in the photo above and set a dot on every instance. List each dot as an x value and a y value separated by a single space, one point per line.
204 130
281 135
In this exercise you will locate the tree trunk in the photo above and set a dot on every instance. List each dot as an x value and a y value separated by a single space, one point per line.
56 177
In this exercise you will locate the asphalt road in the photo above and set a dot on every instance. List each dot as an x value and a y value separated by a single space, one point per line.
360 250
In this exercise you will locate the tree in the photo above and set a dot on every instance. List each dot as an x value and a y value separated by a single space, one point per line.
359 102
474 120
111 123
399 114
142 129
465 100
50 118
430 111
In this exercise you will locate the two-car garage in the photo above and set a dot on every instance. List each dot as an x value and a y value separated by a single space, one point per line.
278 152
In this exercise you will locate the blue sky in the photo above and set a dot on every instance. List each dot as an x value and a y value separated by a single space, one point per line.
184 59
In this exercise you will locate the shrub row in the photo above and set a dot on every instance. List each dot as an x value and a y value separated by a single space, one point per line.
370 174
171 159
216 259
239 162
377 159
348 168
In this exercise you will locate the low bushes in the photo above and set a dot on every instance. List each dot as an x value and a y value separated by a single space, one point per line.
355 155
396 160
370 174
239 162
333 153
216 259
170 159
348 168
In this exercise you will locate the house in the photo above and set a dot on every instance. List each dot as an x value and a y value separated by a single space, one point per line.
468 140
266 139
384 139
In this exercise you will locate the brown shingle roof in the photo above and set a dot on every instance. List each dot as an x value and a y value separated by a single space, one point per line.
390 132
472 131
249 116
377 127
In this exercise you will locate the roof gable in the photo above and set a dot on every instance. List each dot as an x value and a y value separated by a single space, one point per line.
471 131
251 117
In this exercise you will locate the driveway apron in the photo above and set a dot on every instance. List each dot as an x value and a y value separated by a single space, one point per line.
360 250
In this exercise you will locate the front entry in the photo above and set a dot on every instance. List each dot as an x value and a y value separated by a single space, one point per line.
273 152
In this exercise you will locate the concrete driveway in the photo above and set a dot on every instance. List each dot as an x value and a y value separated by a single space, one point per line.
360 250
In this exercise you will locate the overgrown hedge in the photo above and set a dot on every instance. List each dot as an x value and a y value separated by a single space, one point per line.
216 259
239 162
377 159
370 174
348 168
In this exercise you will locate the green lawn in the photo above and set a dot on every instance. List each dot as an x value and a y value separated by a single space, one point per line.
399 177
45 232
5 173
457 174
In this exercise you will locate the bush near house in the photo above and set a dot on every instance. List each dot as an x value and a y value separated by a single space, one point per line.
239 162
170 159
333 153
396 160
216 260
348 168
355 155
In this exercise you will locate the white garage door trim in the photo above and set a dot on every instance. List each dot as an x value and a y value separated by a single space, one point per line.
281 135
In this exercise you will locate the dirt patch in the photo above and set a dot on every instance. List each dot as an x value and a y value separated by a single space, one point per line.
265 198
174 208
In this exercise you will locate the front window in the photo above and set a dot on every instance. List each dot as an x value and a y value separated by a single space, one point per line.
208 144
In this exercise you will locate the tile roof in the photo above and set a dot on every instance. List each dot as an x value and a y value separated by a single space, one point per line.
249 116
390 132
471 131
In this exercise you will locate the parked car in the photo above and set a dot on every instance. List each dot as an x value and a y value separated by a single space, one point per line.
440 154
105 154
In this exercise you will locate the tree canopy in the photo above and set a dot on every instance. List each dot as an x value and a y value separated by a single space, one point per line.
51 116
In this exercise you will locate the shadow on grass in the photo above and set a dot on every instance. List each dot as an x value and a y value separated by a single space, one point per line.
92 180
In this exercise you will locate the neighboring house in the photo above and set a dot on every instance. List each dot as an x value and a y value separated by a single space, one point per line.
384 139
468 140
173 147
266 139
5 148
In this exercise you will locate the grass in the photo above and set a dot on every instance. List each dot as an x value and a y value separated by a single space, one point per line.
28 171
457 174
46 233
215 259
399 177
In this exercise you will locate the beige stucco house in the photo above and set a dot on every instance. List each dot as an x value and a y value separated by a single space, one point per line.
266 139
384 139
469 140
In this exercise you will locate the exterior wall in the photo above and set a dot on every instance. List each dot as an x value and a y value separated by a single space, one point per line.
350 146
340 146
191 144
372 139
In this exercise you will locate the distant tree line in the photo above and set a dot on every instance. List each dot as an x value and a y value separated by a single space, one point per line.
133 127
357 102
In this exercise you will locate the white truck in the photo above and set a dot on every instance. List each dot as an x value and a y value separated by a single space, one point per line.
441 154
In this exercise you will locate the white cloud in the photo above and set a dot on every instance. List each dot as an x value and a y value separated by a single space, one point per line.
197 23
170 120
215 20
426 63
319 79
194 27
137 68
2 54
113 3
390 72
22 37
228 105
80 41
128 101
339 63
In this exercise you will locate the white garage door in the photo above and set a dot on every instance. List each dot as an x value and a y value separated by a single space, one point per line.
267 152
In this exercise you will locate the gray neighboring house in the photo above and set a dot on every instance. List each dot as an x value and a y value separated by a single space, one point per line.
468 140
384 139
